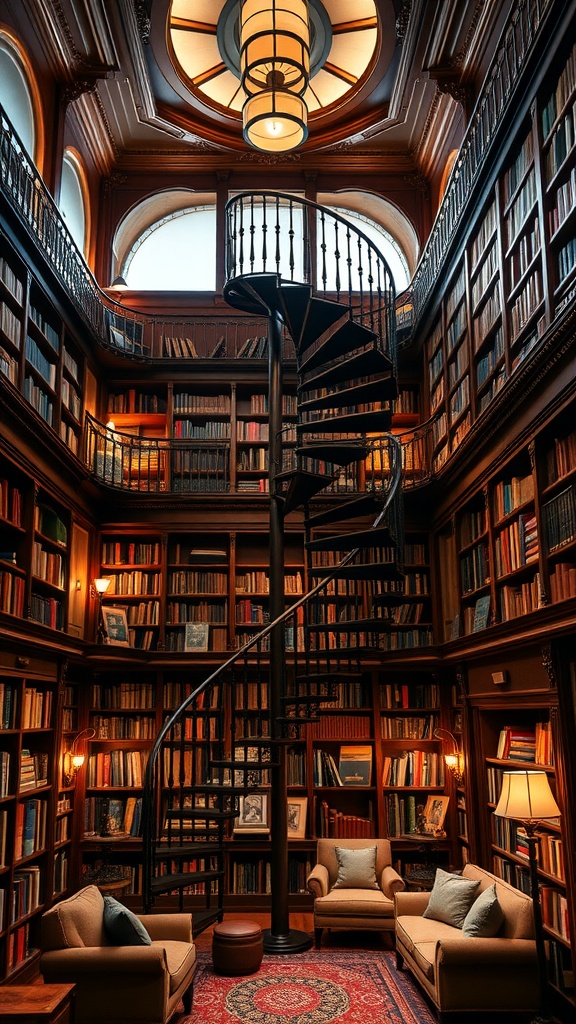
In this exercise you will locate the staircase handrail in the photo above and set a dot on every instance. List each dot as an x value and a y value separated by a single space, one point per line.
149 837
372 292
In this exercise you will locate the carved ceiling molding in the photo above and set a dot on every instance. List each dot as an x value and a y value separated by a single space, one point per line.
418 182
113 181
430 119
143 20
403 19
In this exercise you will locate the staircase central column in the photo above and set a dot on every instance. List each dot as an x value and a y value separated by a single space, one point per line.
279 938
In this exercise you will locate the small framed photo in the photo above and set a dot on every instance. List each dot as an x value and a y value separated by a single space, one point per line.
435 813
297 807
253 816
196 636
116 626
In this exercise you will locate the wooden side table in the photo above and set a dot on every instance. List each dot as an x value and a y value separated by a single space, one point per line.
37 1004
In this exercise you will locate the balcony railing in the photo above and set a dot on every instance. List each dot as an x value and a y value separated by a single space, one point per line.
152 465
517 40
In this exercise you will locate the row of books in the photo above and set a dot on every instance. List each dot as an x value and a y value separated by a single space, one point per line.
559 518
8 703
212 430
47 610
563 581
354 766
336 727
10 279
133 696
564 89
49 332
474 568
41 364
115 727
117 768
516 545
527 302
30 829
110 816
10 502
10 324
36 708
26 896
48 565
404 695
516 743
560 458
520 600
408 727
136 583
39 399
413 768
197 582
33 770
116 552
144 613
334 824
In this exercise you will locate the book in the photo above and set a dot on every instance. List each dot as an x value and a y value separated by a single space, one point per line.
355 765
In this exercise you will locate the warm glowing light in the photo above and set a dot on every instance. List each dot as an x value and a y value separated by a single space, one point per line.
275 67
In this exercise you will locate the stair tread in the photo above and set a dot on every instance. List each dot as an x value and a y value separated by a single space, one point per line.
352 625
348 423
382 388
358 364
343 340
371 501
302 486
365 571
180 879
308 316
164 851
370 537
337 452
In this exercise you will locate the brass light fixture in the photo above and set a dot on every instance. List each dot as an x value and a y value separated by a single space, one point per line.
275 69
73 758
453 756
97 590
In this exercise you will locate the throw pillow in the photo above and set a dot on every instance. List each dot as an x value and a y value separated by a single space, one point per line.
122 927
356 868
485 916
451 898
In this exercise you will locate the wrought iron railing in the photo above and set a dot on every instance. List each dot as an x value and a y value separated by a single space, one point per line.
129 462
517 39
299 242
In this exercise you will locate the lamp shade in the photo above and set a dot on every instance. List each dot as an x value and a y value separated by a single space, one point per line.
101 585
275 69
526 796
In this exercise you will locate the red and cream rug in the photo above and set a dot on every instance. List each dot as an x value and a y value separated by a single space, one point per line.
317 987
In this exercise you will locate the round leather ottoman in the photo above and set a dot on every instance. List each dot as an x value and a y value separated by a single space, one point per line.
237 947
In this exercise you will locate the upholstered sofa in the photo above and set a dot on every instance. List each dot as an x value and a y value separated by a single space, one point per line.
117 983
463 973
366 905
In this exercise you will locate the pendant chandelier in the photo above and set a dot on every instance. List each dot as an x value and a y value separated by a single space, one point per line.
275 70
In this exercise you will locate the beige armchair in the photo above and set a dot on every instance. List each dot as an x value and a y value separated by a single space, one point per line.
118 984
353 890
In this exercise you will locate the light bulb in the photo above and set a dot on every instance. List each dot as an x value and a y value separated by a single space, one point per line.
274 127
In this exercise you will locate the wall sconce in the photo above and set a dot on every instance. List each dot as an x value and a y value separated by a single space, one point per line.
97 590
452 757
73 759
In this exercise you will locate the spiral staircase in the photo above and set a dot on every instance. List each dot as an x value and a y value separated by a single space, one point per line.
324 283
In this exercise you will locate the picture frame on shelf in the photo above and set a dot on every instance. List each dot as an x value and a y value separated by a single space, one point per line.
253 814
196 636
435 813
297 807
116 626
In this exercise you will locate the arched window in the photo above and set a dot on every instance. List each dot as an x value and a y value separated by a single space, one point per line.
168 243
73 203
19 96
386 227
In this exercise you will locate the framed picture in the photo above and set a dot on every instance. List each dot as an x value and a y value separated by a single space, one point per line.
253 816
116 626
196 636
435 813
297 806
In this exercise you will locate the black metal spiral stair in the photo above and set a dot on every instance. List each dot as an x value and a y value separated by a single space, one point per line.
205 758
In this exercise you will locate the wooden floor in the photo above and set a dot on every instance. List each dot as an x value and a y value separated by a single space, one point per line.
305 923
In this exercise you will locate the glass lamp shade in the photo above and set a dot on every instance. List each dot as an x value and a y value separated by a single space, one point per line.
275 121
101 585
275 69
274 37
526 796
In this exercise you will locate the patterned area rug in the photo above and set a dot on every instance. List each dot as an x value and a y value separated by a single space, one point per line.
320 987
